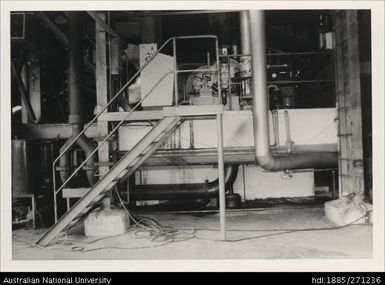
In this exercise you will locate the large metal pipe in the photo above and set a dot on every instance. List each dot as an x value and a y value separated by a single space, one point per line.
75 100
75 68
260 109
245 32
185 191
88 147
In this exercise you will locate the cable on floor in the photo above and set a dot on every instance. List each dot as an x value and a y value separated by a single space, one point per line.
281 231
153 231
145 228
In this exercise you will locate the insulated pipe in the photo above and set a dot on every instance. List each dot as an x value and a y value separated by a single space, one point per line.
260 109
185 191
87 146
75 68
245 33
74 101
64 162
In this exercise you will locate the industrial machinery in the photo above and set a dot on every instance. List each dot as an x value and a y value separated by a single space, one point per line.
144 121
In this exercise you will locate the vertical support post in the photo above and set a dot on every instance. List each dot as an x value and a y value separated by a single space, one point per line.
175 72
33 206
245 33
101 89
333 184
348 89
221 177
218 71
54 192
229 81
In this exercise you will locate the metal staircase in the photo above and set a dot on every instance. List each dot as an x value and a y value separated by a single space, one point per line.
126 166
132 160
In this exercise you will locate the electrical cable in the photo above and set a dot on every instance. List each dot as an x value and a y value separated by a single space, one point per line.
163 235
283 231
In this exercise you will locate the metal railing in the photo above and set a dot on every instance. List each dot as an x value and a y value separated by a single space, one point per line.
175 72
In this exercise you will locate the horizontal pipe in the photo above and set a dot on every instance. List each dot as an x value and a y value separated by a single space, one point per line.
263 154
170 191
186 190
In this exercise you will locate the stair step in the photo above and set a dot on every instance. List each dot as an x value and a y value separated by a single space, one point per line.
74 192
133 159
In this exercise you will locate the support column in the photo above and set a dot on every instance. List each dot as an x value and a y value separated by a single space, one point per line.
101 90
245 32
221 178
350 207
349 102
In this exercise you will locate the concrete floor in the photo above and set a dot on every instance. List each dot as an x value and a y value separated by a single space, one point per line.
264 234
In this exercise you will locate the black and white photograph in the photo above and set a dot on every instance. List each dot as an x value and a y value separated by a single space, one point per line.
193 132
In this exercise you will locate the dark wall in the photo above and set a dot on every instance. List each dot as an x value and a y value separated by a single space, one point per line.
364 29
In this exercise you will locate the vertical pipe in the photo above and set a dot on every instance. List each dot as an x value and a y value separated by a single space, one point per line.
289 142
175 72
333 184
75 67
245 34
263 155
260 103
221 178
54 191
229 81
218 70
33 206
244 183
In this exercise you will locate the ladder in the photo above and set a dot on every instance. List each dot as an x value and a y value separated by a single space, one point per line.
126 166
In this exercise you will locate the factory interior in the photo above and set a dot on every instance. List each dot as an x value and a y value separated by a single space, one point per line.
191 134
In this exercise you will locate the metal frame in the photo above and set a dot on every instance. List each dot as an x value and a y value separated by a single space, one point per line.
173 39
176 71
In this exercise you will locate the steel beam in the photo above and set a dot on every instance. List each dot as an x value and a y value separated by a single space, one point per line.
53 131
135 116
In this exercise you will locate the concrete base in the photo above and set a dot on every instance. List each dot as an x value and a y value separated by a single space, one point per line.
107 222
348 210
